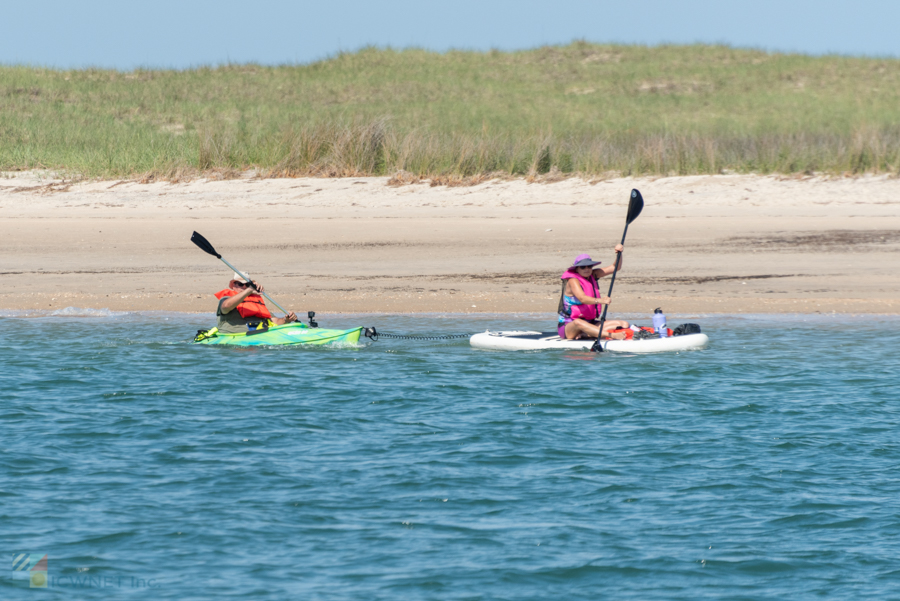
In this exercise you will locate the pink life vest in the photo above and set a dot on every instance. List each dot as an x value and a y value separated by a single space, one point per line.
575 310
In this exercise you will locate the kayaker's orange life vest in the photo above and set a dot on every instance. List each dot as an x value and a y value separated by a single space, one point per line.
252 306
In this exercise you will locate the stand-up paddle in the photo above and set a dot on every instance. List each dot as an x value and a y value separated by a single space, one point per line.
635 206
206 247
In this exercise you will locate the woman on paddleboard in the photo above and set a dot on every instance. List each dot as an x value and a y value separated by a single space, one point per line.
579 304
241 308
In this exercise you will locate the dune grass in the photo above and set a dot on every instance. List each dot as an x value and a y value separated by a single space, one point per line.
583 108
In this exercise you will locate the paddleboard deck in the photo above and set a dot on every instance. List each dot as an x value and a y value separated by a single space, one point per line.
539 341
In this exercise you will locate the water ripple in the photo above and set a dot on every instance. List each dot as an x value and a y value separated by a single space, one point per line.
760 468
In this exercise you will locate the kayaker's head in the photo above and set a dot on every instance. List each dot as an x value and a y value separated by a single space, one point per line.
237 282
583 265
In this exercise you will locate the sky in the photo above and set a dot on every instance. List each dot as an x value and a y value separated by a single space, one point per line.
129 34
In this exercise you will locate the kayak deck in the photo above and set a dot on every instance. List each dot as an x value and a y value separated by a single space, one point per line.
537 341
291 334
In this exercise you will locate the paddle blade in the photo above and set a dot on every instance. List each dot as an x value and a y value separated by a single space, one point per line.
635 206
204 245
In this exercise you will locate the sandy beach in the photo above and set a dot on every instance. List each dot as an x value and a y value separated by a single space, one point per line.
704 244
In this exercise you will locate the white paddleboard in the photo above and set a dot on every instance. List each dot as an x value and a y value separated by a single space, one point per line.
539 341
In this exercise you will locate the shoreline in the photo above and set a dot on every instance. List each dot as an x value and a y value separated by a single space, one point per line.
723 244
89 313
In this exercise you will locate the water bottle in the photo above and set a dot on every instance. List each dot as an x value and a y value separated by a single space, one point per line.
659 323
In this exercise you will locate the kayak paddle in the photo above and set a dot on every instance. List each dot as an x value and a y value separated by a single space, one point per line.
206 247
635 206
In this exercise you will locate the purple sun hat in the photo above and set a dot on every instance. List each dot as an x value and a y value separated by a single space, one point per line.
583 261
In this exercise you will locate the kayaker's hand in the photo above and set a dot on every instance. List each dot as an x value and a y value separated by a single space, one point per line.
619 248
605 300
290 317
259 288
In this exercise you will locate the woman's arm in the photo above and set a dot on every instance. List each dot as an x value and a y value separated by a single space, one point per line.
575 288
610 269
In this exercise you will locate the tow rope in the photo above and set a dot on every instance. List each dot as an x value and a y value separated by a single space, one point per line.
375 335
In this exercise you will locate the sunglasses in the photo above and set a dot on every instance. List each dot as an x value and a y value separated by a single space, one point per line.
586 267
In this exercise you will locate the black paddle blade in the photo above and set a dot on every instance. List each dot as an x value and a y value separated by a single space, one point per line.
635 206
204 245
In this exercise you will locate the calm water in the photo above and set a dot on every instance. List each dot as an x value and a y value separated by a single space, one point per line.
764 467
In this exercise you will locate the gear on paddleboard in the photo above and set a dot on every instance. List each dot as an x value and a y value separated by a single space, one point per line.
644 335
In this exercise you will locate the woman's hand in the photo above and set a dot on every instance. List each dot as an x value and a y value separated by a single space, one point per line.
604 300
619 248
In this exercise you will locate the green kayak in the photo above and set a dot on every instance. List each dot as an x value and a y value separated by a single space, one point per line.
288 334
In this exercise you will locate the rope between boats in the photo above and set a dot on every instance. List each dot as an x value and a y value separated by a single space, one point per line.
375 335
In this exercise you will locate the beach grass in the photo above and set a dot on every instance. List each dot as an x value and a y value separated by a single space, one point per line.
583 108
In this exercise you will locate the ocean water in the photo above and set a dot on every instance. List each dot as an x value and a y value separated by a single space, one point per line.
766 466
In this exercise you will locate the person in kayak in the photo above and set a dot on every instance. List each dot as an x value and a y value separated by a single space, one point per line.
579 303
241 308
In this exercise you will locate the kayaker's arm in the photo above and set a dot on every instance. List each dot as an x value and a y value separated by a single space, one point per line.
233 301
610 269
278 321
584 299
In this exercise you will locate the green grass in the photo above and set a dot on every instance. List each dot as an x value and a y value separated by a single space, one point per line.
583 108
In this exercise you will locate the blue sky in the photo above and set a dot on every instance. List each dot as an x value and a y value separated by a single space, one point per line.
127 34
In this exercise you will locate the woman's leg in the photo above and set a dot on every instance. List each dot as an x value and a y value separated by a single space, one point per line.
608 326
578 328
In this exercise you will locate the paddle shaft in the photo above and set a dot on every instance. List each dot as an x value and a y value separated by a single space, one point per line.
598 345
613 280
635 206
269 298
